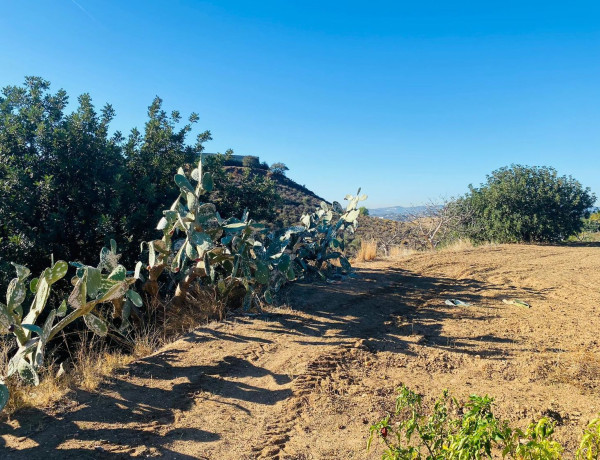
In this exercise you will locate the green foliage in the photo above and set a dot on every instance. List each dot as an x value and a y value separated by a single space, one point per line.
321 242
591 224
279 169
530 204
151 158
250 161
363 211
455 432
67 186
61 176
92 287
233 193
589 449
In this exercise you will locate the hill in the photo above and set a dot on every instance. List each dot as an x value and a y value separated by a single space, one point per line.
397 212
296 199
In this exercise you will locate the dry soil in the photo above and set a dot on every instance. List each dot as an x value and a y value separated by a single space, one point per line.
305 381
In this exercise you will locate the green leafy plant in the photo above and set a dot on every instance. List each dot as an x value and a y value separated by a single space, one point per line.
320 242
473 433
523 203
589 449
199 245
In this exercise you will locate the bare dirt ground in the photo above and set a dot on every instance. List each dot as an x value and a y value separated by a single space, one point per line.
305 382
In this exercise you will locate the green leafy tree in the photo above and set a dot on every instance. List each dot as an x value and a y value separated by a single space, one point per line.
250 161
60 175
527 204
152 159
592 223
279 169
67 185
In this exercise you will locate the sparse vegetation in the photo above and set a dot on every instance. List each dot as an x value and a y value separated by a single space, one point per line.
469 431
278 169
367 251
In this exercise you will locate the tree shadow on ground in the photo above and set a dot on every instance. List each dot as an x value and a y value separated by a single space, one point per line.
140 413
392 309
578 244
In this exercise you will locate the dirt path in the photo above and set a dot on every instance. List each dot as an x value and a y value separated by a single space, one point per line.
305 382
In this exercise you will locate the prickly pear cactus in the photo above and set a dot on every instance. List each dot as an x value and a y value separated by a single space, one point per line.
319 244
198 245
92 286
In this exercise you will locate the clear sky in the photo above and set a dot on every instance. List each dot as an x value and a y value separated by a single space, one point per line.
411 100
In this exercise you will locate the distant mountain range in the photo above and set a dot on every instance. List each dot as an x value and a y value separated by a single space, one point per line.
397 212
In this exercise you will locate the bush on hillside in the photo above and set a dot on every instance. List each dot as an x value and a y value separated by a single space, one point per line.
526 204
237 189
279 169
250 161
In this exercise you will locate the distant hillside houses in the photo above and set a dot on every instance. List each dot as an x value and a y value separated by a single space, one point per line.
238 160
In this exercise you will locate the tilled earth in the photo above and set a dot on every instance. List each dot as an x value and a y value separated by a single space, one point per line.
305 381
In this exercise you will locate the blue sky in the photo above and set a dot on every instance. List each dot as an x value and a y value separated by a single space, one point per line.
409 100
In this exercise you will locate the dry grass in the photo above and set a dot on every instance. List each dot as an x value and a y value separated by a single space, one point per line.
90 364
461 244
92 361
399 252
202 305
367 251
93 367
46 394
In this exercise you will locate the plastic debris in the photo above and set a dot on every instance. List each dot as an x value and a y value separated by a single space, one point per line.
518 302
457 303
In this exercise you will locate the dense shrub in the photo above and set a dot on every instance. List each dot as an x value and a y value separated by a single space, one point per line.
250 161
67 186
527 204
151 158
592 223
279 169
237 189
61 176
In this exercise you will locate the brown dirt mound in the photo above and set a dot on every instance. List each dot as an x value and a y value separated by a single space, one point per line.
305 383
